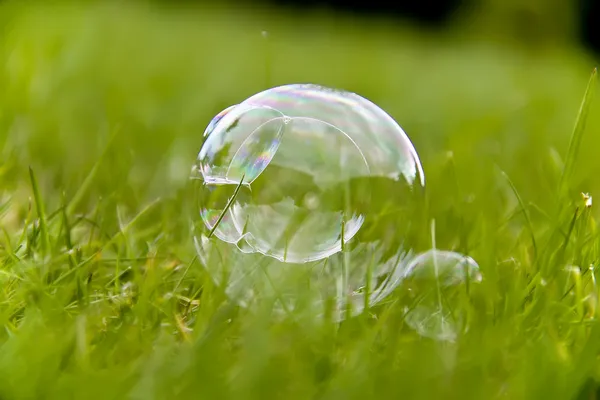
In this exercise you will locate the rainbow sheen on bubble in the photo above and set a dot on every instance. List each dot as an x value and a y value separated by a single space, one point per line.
213 123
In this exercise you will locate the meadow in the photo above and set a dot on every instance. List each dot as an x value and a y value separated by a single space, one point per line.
102 110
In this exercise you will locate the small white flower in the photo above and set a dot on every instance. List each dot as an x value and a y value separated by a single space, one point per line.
587 199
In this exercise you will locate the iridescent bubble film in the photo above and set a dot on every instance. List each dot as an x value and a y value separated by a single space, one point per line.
303 175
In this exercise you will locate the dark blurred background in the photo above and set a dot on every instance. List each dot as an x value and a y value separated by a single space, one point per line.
528 20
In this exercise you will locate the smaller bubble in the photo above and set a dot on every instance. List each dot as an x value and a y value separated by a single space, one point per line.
437 283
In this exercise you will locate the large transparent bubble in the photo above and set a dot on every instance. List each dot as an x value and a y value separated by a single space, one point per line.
303 179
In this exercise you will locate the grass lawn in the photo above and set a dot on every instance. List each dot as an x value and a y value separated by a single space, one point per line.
102 109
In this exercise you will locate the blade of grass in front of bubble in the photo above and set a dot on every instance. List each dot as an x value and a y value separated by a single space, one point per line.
227 206
346 213
436 267
442 300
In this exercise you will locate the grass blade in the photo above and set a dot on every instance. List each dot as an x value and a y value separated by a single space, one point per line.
577 135
40 212
227 206
523 210
66 225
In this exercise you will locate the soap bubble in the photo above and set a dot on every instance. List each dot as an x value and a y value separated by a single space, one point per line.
303 178
436 284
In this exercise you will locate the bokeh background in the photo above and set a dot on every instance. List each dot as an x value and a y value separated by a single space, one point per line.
479 86
532 20
528 21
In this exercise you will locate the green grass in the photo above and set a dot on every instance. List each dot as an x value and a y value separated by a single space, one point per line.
102 109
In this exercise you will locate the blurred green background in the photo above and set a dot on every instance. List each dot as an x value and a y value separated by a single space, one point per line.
482 89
